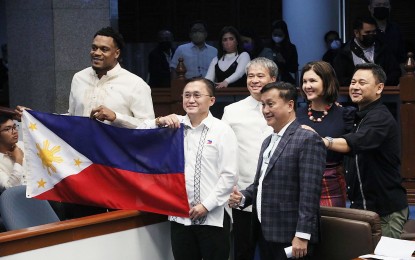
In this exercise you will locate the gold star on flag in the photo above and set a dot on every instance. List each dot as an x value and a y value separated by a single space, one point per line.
77 162
41 183
32 126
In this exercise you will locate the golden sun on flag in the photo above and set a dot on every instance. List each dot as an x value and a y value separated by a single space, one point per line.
48 156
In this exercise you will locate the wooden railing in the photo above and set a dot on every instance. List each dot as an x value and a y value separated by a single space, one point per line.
17 241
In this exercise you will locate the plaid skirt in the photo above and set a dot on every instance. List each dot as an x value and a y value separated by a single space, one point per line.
333 188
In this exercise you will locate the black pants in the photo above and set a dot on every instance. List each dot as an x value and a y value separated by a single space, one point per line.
201 241
275 251
244 248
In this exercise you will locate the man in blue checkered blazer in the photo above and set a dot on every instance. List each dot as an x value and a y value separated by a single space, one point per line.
286 191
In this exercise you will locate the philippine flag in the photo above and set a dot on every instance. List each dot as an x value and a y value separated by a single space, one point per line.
80 160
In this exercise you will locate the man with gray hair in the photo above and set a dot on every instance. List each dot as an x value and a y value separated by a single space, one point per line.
248 123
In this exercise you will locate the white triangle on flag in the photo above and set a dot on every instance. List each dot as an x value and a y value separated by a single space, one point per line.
49 159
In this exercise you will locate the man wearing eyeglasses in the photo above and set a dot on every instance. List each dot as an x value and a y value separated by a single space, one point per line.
11 154
210 152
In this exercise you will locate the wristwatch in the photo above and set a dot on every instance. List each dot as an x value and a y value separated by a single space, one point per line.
330 139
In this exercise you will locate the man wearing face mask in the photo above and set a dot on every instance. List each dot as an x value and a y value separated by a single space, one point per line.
333 44
365 48
159 61
388 31
196 54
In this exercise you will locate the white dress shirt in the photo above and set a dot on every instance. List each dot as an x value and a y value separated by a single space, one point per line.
246 120
120 90
219 167
11 173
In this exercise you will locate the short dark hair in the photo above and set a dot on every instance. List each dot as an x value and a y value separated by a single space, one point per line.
209 84
110 32
359 21
198 22
377 71
5 117
327 74
326 36
287 91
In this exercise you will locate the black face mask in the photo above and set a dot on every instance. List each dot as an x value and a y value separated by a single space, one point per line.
165 46
381 13
368 40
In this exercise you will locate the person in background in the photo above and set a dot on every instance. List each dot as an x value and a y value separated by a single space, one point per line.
284 52
228 68
250 129
365 48
372 153
321 89
254 45
210 171
11 154
387 31
196 54
159 60
286 190
333 44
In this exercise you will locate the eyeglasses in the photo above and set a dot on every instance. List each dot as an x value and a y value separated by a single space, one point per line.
10 129
196 95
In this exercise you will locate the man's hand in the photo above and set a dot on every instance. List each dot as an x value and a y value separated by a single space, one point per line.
299 247
16 154
19 111
235 198
170 121
197 212
102 113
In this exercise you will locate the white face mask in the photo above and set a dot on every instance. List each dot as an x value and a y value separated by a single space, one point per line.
336 44
277 39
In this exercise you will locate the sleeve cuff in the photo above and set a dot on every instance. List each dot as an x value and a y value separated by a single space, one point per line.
303 235
242 204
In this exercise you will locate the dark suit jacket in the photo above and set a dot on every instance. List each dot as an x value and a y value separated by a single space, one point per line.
291 187
159 68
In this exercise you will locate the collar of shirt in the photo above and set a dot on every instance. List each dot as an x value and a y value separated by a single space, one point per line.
194 46
113 72
362 113
253 103
208 121
282 131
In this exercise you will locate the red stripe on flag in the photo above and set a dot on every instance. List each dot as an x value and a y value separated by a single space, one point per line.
103 186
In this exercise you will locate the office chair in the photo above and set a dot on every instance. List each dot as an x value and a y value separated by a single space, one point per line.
18 212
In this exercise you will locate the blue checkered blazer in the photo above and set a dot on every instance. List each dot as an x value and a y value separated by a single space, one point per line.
291 187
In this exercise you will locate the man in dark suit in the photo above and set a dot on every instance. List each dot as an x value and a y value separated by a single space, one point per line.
159 61
365 47
286 191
